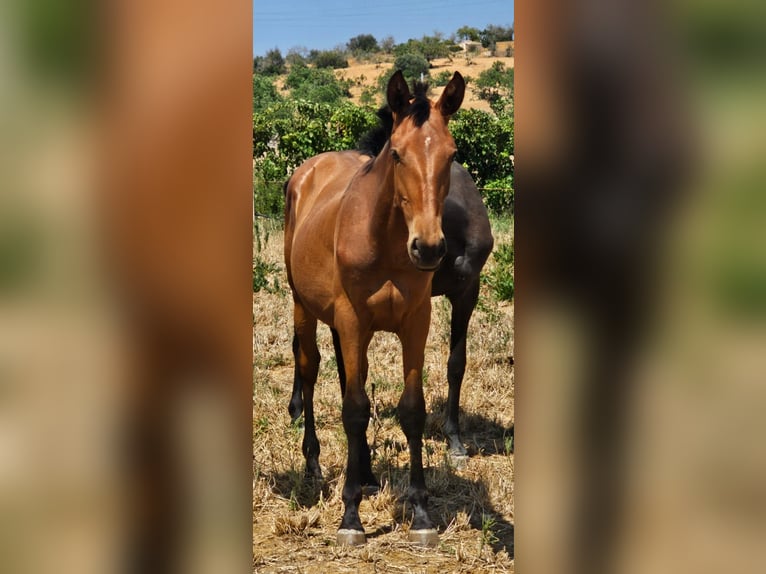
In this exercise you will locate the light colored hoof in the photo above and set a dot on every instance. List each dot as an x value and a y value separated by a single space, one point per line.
426 537
458 461
348 537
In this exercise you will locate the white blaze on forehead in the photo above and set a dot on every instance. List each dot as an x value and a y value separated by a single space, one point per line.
428 142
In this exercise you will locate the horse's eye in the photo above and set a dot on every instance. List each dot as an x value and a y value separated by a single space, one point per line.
395 155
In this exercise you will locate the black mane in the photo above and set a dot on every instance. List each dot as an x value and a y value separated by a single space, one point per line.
420 108
373 141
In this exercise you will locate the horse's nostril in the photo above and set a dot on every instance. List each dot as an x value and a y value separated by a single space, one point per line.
415 246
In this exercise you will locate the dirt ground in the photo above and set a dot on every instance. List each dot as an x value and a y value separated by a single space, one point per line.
471 502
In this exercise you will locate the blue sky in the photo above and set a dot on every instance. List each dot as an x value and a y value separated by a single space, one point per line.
323 24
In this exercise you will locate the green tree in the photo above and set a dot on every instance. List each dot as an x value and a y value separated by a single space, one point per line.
316 85
271 64
363 43
387 44
329 59
411 65
468 33
493 33
496 86
297 55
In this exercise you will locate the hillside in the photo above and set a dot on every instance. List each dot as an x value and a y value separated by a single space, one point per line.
365 74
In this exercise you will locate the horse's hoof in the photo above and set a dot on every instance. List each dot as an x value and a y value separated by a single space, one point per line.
458 461
425 537
348 537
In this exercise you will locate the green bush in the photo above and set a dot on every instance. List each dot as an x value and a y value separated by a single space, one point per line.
316 85
271 64
412 66
496 87
442 78
485 144
500 276
363 43
498 195
264 92
286 134
329 59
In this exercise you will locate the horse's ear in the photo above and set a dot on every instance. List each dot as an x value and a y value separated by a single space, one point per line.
398 93
452 96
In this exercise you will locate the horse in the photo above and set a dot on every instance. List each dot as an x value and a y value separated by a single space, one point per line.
466 227
468 233
363 239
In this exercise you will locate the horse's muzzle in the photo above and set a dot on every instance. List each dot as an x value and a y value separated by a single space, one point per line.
427 257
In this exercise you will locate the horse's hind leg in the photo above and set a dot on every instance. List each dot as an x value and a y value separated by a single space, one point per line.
295 408
462 308
306 354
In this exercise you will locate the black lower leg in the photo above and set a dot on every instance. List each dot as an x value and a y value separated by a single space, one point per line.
295 408
412 415
356 416
310 441
339 361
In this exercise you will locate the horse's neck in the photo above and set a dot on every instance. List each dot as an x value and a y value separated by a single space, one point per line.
387 219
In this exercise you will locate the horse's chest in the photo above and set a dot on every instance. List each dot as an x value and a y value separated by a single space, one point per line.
389 305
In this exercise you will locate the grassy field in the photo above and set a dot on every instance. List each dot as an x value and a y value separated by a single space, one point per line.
295 521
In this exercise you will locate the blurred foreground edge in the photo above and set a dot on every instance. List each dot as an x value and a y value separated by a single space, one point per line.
639 287
177 240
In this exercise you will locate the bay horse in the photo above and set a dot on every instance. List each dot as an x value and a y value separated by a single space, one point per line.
467 230
363 238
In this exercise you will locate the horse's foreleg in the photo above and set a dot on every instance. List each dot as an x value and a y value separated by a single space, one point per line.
412 415
307 360
462 308
354 341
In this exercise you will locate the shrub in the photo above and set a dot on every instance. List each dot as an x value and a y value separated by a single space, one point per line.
264 92
362 43
496 86
500 276
316 85
329 59
442 78
485 144
498 195
271 64
411 65
286 134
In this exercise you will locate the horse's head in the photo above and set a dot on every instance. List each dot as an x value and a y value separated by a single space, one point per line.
422 150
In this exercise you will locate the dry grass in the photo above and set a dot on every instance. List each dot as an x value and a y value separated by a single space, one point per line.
295 520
